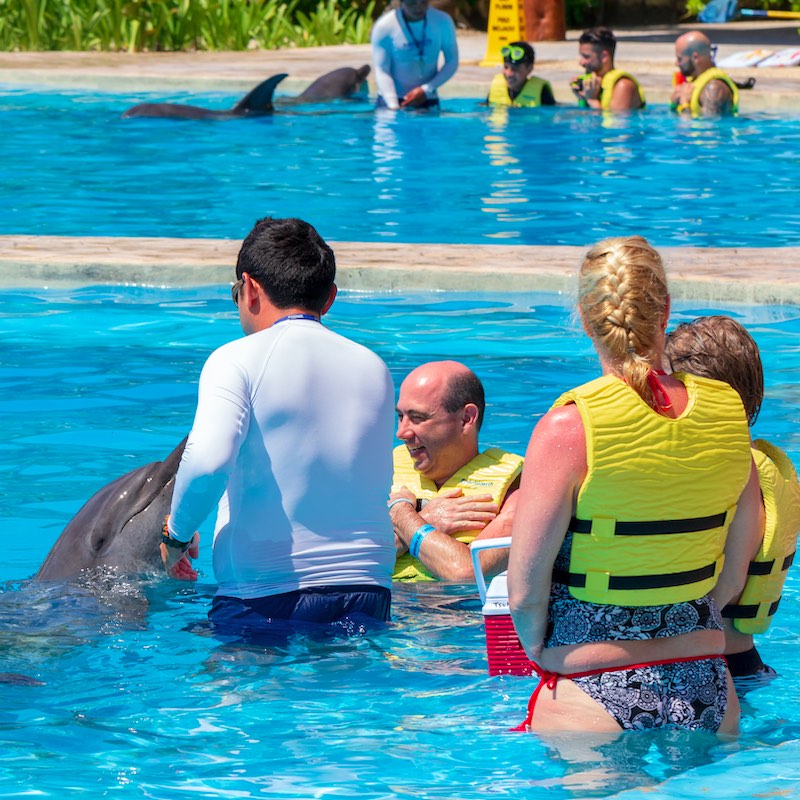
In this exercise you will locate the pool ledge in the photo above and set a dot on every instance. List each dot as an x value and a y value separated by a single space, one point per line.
749 275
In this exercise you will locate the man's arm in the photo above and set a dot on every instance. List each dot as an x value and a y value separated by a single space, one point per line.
625 96
716 99
447 558
382 60
682 97
220 425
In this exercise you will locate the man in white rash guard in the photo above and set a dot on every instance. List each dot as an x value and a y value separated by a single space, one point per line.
293 439
406 43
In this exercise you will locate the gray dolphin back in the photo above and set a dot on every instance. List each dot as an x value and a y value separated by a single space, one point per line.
338 84
256 102
118 526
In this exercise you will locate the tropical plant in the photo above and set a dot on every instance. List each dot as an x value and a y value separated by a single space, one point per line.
181 24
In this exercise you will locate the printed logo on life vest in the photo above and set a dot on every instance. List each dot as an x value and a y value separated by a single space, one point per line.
468 482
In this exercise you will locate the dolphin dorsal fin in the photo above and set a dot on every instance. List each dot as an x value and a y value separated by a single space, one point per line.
259 100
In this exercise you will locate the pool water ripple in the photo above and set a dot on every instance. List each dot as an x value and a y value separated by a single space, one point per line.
138 701
71 166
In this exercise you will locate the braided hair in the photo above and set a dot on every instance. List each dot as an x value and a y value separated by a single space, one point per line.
622 296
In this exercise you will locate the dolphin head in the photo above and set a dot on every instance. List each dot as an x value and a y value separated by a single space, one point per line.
341 83
118 526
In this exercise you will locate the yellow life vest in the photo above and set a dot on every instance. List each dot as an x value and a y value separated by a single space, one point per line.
654 509
608 83
491 472
701 81
753 611
529 97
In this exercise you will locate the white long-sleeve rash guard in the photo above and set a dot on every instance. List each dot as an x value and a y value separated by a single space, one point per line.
293 436
403 60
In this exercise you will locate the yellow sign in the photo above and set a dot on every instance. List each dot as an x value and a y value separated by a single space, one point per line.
506 24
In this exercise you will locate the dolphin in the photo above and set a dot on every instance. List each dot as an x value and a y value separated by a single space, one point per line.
255 103
118 526
339 84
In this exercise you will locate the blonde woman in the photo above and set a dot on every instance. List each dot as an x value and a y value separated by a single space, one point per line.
636 520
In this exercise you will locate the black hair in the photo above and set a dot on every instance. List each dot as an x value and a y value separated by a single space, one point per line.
601 38
290 261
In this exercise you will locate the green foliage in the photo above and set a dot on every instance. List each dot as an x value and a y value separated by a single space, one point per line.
138 25
694 7
580 13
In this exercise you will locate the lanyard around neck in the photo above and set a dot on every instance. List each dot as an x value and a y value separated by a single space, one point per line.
295 316
418 43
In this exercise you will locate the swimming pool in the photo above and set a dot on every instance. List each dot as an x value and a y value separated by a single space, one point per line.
71 166
98 380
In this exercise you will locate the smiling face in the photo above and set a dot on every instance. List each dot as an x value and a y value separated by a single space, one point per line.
440 442
592 58
516 75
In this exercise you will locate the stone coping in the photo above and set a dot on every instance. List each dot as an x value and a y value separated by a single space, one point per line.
737 274
747 275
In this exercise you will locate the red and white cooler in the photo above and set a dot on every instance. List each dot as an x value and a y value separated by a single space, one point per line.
503 649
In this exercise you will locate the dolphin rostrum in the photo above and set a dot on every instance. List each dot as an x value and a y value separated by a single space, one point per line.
118 526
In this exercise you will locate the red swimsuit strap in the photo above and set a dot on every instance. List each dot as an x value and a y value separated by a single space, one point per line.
657 388
550 679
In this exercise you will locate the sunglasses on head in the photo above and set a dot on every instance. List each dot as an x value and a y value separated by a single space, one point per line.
513 53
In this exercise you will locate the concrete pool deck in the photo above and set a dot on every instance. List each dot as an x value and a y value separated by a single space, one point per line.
760 275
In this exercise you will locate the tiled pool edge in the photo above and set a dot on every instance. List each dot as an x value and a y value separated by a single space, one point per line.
749 275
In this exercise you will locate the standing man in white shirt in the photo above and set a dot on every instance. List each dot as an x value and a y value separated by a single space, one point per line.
292 439
406 44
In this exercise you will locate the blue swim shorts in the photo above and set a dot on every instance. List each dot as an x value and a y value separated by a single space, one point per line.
337 610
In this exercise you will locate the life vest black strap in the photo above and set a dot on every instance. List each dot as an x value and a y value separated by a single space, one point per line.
577 580
765 567
749 611
655 527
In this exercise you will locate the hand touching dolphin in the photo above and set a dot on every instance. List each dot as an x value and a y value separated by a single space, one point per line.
119 526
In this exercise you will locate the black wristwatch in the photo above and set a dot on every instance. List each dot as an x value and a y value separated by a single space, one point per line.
169 541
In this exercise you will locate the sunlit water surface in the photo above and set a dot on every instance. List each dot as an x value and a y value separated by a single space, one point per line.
132 703
71 166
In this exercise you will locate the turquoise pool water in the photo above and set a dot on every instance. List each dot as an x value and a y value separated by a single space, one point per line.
71 166
133 704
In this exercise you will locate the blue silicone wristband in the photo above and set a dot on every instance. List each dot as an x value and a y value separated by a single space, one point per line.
416 540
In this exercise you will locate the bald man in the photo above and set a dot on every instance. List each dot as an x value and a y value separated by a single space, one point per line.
707 90
446 492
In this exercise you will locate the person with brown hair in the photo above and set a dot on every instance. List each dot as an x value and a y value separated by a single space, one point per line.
719 347
604 86
634 523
